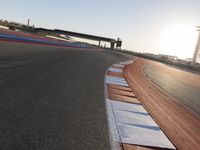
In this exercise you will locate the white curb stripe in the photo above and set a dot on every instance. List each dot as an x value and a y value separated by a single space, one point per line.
119 65
116 80
126 62
115 70
137 127
130 123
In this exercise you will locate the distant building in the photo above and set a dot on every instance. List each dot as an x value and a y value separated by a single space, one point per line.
189 59
168 57
196 57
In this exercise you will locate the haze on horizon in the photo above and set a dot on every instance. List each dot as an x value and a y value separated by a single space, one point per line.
151 26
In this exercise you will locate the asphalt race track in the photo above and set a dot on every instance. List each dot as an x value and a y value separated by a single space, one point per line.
53 97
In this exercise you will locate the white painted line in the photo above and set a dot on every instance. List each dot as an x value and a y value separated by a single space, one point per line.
117 70
116 80
113 132
119 65
136 126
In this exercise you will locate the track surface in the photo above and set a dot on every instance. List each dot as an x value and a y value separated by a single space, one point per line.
183 85
53 98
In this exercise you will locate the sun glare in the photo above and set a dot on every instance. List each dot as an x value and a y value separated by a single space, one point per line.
178 40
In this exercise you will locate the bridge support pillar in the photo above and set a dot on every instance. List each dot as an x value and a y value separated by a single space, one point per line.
112 45
99 43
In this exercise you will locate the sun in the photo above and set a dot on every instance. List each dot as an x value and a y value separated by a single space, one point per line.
178 39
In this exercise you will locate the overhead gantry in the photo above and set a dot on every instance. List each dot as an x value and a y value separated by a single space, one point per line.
113 43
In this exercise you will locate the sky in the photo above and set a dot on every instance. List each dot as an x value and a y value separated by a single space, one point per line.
150 26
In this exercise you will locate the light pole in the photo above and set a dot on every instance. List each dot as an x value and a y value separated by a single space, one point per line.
196 57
